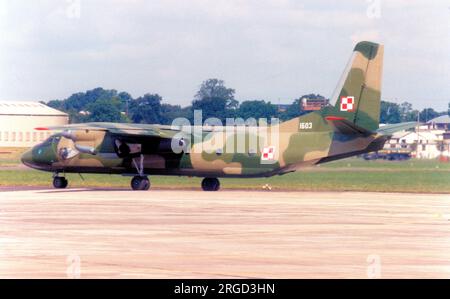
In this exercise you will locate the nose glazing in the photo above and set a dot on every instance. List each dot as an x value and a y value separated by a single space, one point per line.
27 158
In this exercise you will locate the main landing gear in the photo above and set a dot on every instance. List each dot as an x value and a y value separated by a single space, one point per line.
210 184
60 182
141 181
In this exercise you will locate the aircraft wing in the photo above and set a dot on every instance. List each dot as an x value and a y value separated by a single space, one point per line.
143 130
391 129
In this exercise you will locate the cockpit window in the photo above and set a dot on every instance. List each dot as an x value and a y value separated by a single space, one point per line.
51 140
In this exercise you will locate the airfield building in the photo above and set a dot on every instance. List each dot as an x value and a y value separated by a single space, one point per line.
429 141
18 121
314 104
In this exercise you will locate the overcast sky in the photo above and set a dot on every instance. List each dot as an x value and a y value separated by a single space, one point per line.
275 50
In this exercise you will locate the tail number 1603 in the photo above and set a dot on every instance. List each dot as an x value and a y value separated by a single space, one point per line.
306 126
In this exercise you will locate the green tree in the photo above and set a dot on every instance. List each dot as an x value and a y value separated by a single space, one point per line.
171 112
405 110
105 110
57 104
390 113
428 114
215 100
294 110
407 113
125 99
146 109
257 109
81 102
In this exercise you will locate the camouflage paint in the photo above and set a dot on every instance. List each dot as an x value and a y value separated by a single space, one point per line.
305 140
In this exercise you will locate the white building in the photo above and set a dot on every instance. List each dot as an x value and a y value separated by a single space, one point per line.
423 145
440 123
18 121
428 141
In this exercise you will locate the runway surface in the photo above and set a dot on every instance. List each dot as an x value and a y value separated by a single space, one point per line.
193 234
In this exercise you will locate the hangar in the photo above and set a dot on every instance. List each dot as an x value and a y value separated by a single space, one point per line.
18 121
429 141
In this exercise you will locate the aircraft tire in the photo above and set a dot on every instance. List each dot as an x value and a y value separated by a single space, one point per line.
140 183
210 184
60 182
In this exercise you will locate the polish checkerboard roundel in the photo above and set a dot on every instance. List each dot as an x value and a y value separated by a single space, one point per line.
268 153
348 104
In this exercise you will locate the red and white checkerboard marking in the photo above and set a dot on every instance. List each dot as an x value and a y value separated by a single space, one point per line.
348 104
268 153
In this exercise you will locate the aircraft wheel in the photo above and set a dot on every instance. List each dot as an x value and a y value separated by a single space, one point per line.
60 182
140 183
210 184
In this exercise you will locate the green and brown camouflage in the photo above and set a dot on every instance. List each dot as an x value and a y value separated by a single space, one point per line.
350 127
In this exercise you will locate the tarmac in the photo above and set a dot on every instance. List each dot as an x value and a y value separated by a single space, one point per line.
108 233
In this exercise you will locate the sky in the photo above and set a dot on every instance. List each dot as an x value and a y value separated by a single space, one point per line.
276 50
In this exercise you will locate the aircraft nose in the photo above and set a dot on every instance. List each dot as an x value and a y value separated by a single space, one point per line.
27 158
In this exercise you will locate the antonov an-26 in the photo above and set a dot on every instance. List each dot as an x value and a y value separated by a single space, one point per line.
350 127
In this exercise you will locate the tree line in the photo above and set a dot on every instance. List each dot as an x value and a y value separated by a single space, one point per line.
213 98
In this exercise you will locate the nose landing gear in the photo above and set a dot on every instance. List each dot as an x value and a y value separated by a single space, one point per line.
210 184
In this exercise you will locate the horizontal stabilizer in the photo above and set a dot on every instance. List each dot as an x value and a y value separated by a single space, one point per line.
346 127
391 129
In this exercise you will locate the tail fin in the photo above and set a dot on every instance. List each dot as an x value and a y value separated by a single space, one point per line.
358 94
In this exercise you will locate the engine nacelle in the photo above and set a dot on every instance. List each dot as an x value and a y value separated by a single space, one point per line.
85 149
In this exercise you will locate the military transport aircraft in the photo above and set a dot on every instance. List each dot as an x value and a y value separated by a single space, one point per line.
349 128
